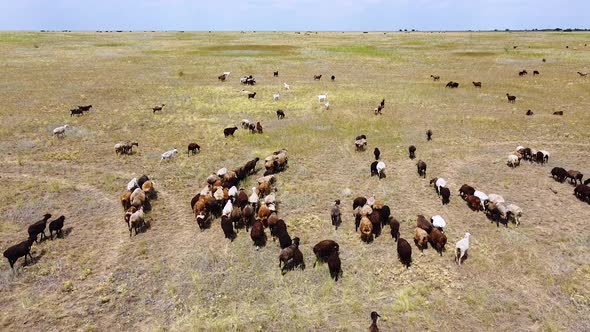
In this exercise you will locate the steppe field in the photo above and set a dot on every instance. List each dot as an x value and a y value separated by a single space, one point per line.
534 277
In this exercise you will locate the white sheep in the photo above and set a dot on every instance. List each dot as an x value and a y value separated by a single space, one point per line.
438 222
520 147
440 183
482 197
513 160
218 194
381 169
253 199
371 200
226 73
221 172
322 98
60 131
515 212
227 208
494 198
232 192
327 105
287 87
276 96
132 184
168 154
136 221
461 248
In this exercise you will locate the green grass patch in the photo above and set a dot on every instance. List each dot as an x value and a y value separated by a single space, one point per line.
359 49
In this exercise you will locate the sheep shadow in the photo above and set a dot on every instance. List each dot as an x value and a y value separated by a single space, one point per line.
496 219
290 266
464 258
147 206
63 233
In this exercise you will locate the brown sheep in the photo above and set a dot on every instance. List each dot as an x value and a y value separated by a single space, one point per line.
421 166
394 225
423 223
324 249
477 84
228 229
335 265
558 113
466 190
366 228
404 252
511 99
257 234
359 201
438 240
236 217
420 238
412 150
445 194
263 213
292 258
474 203
375 219
248 216
126 200
574 176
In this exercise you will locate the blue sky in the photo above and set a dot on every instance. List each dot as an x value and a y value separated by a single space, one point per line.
292 14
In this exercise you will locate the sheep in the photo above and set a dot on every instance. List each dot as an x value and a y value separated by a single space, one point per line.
19 250
323 249
322 98
536 72
452 85
284 238
394 226
148 188
56 226
194 148
438 240
435 77
245 124
374 168
381 169
317 77
495 198
227 209
522 73
374 317
377 153
529 112
559 173
276 96
76 111
366 228
248 216
385 212
291 257
142 179
252 95
280 114
438 222
461 248
258 127
513 160
366 210
126 200
85 108
335 214
157 108
514 213
257 234
511 99
136 221
229 131
131 185
482 197
236 217
221 77
263 213
420 238
360 144
227 227
429 135
168 154
359 202
412 150
574 176
335 265
253 199
38 227
439 183
404 252
474 203
582 74
558 113
137 198
60 132
275 73
445 194
466 190
540 157
477 84
286 86
421 166
375 218
327 105
582 192
423 223
546 156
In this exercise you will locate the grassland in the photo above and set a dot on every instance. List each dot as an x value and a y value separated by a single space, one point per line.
174 277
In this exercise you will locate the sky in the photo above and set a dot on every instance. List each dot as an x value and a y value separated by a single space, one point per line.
321 15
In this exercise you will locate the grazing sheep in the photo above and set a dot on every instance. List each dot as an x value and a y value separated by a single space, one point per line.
445 194
513 160
360 143
394 226
168 154
412 150
335 214
56 226
461 248
477 84
466 190
558 113
137 198
126 200
227 209
377 153
522 73
76 111
322 98
257 234
559 173
229 131
335 265
438 240
276 96
435 77
291 257
38 227
536 72
236 217
60 131
429 135
404 252
366 228
482 197
574 176
495 198
374 317
514 213
422 222
158 108
85 108
19 250
582 74
280 114
251 95
333 78
275 73
142 179
327 105
221 77
258 127
438 222
284 238
227 227
245 124
474 203
421 166
248 216
511 99
381 169
529 112
286 86
323 249
452 85
439 183
317 77
194 148
420 238
136 221
359 202
582 192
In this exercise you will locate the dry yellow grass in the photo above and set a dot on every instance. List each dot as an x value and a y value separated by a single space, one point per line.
174 277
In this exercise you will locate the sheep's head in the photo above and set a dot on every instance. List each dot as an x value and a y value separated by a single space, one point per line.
467 235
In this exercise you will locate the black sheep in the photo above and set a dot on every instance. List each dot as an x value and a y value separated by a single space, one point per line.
412 150
404 252
229 131
280 114
19 250
285 239
194 148
227 227
39 228
446 195
257 234
324 249
385 213
333 78
142 180
559 173
377 153
466 190
421 166
429 135
374 168
335 265
56 225
251 95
